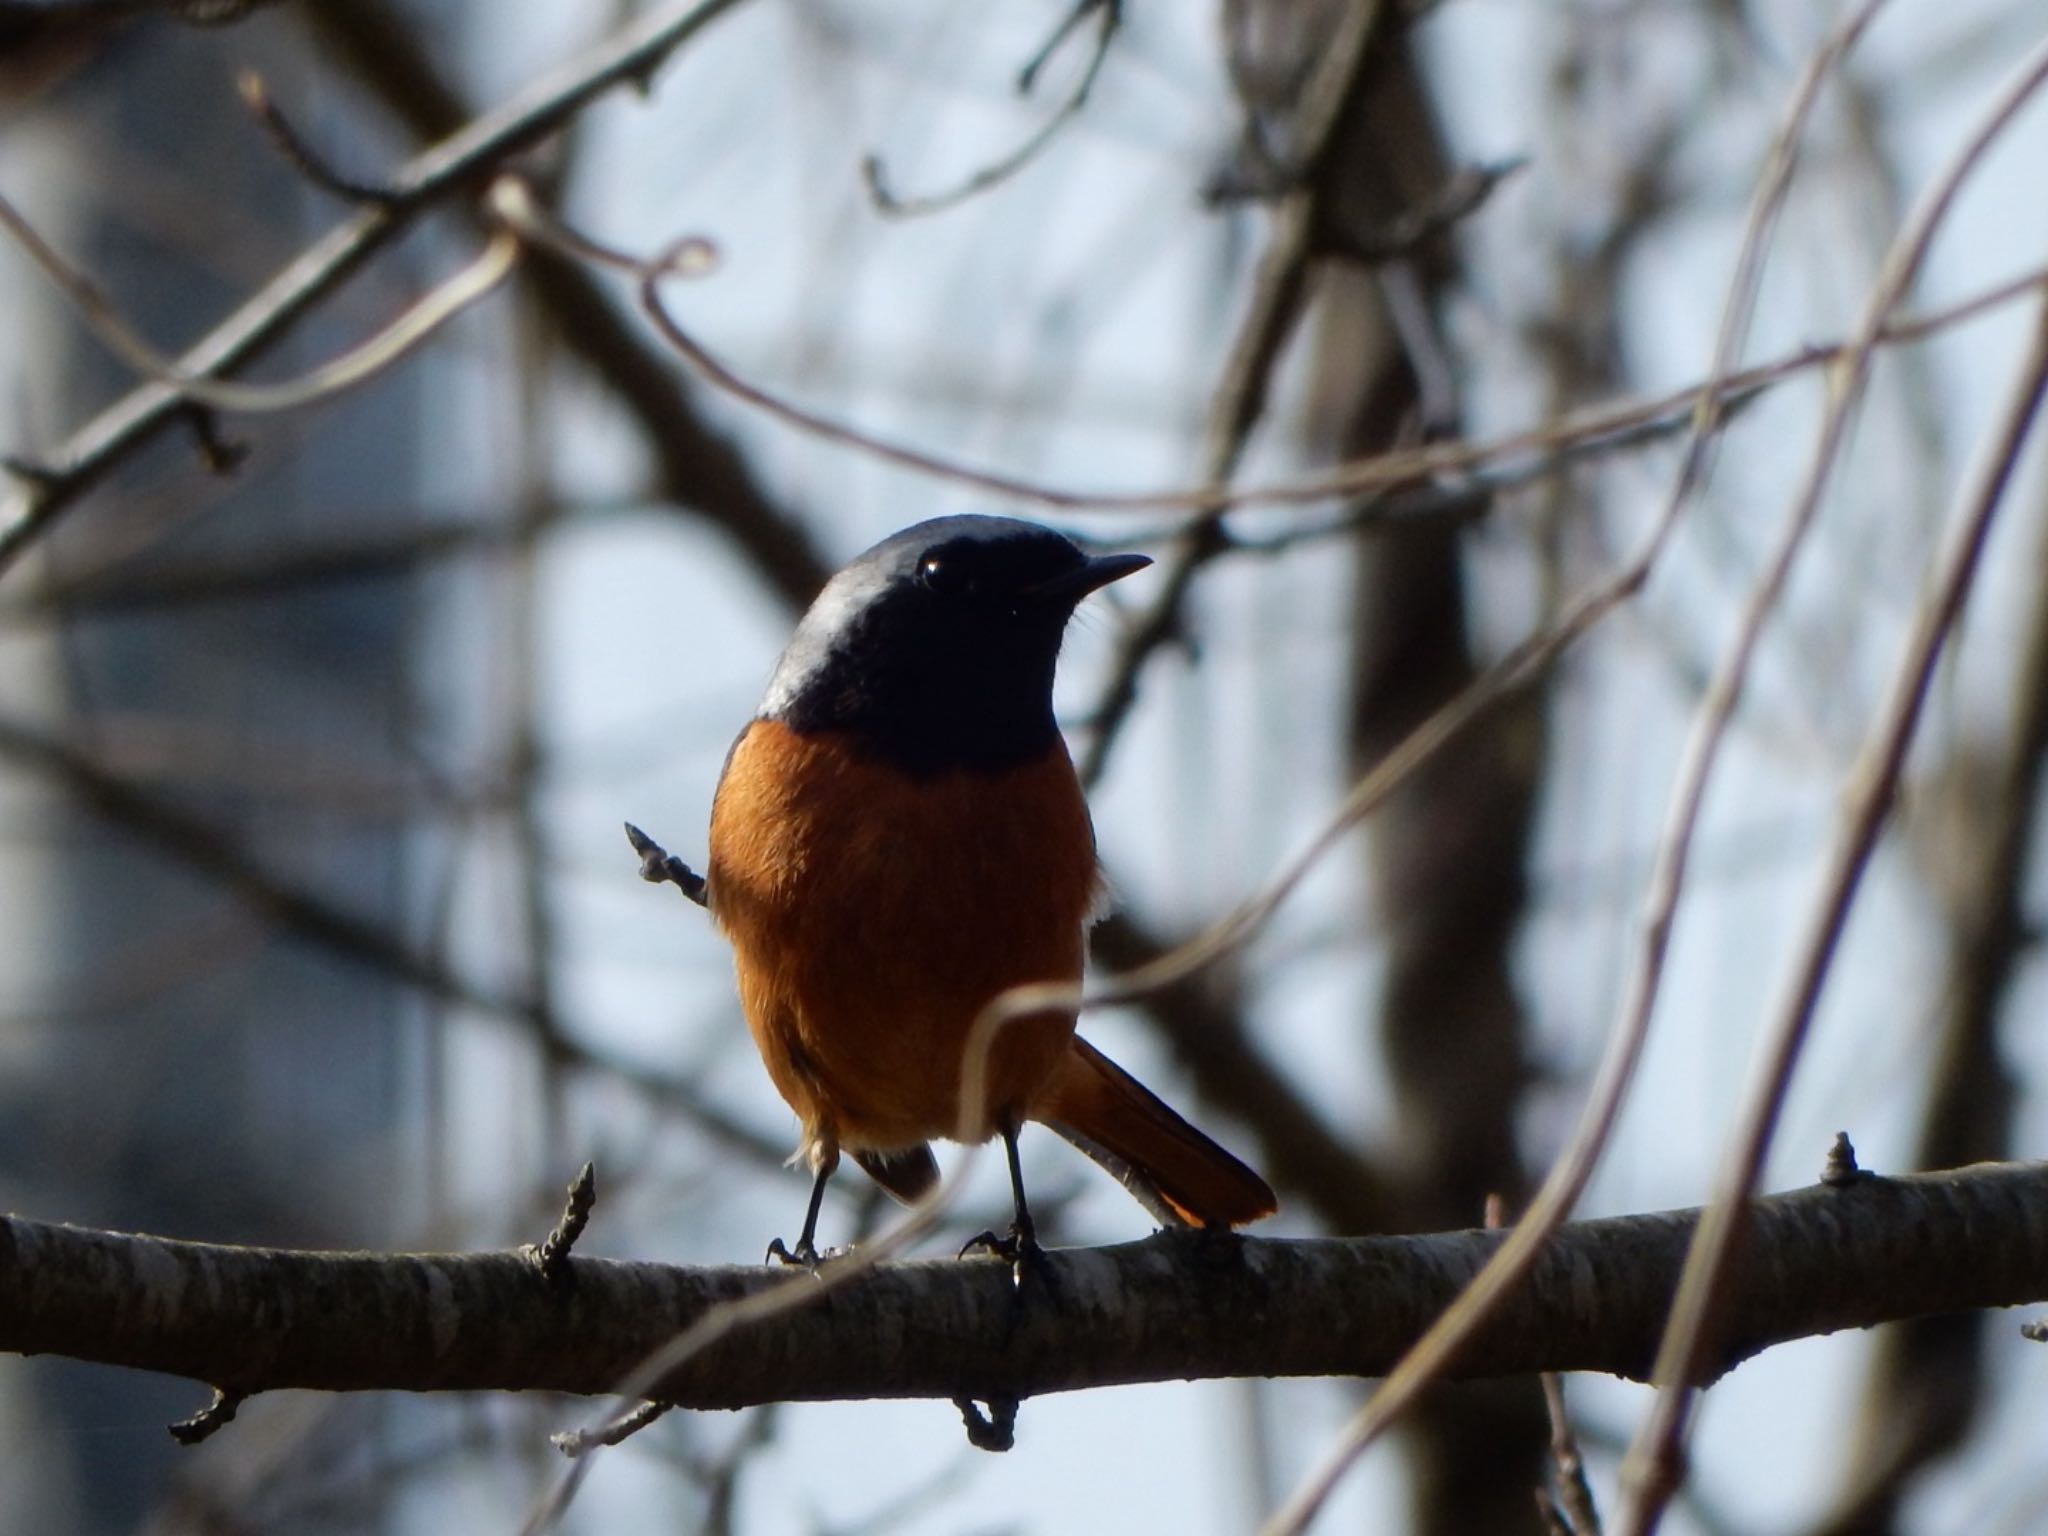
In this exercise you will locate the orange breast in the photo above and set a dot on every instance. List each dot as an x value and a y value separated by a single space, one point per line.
873 916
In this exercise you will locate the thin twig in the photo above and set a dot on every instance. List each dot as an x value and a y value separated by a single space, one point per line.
1568 1173
660 867
1651 1471
415 325
301 155
994 174
1583 430
575 1443
551 1254
1239 399
1928 1380
1574 1494
698 466
92 451
211 1419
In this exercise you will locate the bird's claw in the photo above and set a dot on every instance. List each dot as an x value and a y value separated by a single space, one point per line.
1018 1248
804 1256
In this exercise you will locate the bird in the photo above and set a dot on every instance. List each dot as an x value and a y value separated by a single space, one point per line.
897 837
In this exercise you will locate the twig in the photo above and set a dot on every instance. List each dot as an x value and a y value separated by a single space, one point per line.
1651 1470
1840 1167
1574 1495
994 1431
215 1416
1436 1351
890 204
1928 1380
698 467
1239 399
551 1254
658 867
1027 77
1583 430
1235 407
89 453
581 1442
301 155
415 325
1553 1519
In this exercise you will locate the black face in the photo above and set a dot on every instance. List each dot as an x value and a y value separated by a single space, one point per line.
936 648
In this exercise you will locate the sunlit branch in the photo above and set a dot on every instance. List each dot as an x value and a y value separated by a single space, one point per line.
1569 1172
63 474
414 326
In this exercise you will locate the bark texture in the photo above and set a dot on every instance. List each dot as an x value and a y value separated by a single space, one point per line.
1175 1306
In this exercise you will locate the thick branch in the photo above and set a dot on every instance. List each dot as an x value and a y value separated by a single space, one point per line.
1178 1305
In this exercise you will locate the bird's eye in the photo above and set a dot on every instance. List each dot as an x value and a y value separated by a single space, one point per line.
942 575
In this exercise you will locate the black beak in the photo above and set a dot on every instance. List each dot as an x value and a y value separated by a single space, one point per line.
1091 575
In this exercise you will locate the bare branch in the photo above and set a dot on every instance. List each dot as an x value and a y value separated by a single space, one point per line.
1177 1305
210 1420
1695 1318
660 867
550 1256
422 319
1002 170
475 151
1606 423
698 467
1573 1167
300 155
1930 1380
581 1442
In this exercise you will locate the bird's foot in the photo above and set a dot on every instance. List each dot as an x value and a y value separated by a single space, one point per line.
1018 1248
804 1256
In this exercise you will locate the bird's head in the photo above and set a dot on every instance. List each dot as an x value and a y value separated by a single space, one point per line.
935 649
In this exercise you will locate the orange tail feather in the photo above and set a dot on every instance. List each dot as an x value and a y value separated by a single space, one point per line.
1176 1172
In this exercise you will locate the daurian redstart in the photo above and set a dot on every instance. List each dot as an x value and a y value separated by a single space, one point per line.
898 837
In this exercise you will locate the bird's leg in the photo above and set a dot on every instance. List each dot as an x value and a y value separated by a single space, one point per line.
1020 1245
806 1251
1023 1231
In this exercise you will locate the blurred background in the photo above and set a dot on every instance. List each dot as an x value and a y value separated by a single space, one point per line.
322 929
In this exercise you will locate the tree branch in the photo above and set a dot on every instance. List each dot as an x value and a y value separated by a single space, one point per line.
698 466
448 168
1175 1306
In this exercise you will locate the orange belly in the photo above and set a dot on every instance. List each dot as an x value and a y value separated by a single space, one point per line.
873 916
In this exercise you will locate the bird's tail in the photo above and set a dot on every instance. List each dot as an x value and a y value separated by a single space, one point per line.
1178 1174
